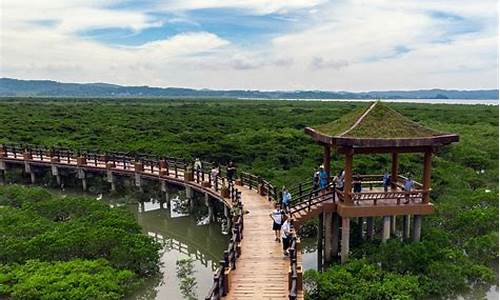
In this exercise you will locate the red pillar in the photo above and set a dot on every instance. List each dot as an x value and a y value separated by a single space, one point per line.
426 184
348 176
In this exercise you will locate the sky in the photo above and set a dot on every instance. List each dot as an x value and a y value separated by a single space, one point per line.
343 45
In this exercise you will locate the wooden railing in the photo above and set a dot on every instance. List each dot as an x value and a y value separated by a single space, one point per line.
400 197
264 187
220 286
315 197
294 280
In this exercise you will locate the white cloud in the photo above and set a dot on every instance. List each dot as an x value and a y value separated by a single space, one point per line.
341 45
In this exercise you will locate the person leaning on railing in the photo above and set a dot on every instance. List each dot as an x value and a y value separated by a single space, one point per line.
386 180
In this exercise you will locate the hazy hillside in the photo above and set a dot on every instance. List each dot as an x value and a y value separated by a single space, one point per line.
40 88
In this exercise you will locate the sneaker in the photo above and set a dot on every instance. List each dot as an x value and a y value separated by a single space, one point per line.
276 239
285 253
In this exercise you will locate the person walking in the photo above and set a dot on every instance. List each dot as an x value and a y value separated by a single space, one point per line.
277 217
286 234
286 199
357 185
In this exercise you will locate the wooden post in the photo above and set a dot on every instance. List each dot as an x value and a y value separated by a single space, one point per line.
394 170
320 243
327 158
335 235
387 229
344 243
369 228
327 223
417 227
406 227
427 175
348 176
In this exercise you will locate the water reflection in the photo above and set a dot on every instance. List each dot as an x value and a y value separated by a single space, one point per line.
182 228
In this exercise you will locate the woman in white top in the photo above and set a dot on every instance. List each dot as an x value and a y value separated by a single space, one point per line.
286 234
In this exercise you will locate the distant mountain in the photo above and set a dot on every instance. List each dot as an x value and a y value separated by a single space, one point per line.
47 88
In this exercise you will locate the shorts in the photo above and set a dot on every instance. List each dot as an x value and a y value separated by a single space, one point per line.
276 226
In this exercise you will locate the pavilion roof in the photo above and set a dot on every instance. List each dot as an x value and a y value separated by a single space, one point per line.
377 125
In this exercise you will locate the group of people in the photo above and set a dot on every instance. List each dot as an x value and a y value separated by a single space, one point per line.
282 227
215 171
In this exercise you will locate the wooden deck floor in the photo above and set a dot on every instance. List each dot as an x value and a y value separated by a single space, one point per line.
262 269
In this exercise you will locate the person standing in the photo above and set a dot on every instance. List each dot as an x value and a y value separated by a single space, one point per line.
386 180
214 173
408 187
323 177
197 165
231 171
286 199
315 186
277 217
286 234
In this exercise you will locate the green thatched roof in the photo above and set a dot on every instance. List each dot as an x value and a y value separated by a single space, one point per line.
376 121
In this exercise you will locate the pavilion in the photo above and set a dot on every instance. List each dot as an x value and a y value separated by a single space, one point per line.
369 130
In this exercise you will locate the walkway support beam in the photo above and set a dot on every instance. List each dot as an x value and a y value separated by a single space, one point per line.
386 234
327 223
417 227
344 255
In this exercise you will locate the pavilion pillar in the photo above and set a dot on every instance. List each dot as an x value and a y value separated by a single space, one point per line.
348 176
327 223
386 234
406 227
394 169
426 184
320 243
417 227
327 154
344 243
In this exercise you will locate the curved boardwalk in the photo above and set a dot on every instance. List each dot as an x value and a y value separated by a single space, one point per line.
262 269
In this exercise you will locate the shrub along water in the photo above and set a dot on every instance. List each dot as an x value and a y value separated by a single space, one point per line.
460 241
69 248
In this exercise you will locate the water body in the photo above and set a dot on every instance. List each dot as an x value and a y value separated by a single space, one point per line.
429 101
180 230
310 262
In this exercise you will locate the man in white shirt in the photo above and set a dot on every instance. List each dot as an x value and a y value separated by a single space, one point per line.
277 217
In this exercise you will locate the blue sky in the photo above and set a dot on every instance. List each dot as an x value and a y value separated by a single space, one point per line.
261 44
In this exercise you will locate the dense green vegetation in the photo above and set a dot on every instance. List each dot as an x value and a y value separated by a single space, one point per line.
460 241
69 248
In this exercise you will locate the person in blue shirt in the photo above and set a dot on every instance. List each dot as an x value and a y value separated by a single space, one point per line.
386 180
323 177
408 186
287 198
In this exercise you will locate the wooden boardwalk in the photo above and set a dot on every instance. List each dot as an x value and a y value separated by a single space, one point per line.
262 269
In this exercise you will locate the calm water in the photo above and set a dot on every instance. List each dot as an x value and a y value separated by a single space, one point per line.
430 101
182 237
